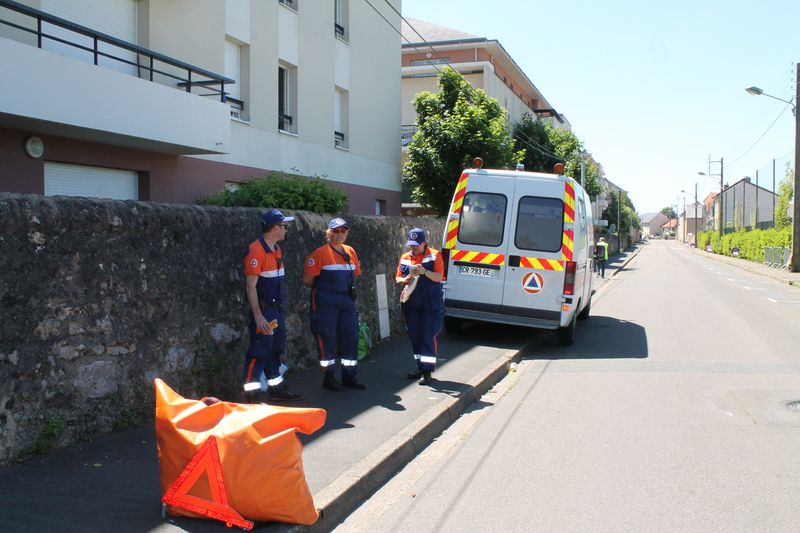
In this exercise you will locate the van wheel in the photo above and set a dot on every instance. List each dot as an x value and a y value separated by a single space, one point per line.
583 315
566 335
452 324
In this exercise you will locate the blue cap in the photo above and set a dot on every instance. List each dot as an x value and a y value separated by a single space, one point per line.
337 223
416 237
273 216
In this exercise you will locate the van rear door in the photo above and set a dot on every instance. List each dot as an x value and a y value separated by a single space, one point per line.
534 280
478 243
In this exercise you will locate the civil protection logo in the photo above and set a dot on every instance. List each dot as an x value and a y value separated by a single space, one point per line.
532 282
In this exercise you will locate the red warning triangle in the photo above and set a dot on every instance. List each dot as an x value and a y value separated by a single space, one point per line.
205 461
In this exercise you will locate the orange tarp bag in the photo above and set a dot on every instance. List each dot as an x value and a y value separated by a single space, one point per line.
259 456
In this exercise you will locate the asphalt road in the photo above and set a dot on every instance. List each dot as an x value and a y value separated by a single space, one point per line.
668 414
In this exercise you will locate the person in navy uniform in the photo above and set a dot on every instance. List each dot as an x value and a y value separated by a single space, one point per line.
331 271
266 295
424 307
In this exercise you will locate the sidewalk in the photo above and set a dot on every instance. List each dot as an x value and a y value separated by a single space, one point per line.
369 435
783 276
113 482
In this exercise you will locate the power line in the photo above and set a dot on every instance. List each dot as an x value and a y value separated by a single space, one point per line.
729 165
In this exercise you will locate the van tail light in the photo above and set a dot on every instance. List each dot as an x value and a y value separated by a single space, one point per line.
569 277
446 261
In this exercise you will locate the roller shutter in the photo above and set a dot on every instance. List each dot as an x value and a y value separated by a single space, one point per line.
97 182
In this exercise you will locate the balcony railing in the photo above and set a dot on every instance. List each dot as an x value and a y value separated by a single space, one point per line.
237 107
338 29
284 122
145 60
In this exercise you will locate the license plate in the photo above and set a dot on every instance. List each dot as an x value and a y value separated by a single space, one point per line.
475 271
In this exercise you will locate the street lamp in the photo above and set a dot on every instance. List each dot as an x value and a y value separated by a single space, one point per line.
755 91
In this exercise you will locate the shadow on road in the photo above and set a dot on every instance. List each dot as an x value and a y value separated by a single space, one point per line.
599 337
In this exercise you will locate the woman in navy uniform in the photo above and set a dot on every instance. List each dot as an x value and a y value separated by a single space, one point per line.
331 270
424 307
266 295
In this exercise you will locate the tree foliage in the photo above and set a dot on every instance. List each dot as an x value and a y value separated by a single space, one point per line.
454 126
569 147
785 194
670 212
531 135
283 191
541 142
625 218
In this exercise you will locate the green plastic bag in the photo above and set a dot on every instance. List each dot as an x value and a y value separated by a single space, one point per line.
364 340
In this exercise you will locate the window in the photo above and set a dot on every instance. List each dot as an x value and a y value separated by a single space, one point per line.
291 4
483 217
340 97
341 14
287 98
236 69
380 207
540 224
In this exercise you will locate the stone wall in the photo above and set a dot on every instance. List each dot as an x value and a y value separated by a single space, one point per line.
98 297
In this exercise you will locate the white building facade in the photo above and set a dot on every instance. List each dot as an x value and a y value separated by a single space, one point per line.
182 98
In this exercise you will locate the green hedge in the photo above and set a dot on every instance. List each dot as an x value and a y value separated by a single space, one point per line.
282 191
750 243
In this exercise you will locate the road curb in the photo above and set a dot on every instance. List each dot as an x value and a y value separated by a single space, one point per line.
364 478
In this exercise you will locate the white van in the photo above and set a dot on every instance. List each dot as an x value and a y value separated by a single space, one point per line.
518 250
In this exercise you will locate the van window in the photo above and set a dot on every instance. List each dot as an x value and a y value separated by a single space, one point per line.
483 217
540 224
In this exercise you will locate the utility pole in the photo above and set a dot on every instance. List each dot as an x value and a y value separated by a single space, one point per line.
619 227
721 199
795 259
695 216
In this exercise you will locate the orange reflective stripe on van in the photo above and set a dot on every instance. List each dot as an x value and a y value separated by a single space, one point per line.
458 201
477 257
567 244
539 263
568 239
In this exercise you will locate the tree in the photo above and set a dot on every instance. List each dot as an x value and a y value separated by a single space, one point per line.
531 135
670 212
785 194
454 126
567 145
627 213
541 141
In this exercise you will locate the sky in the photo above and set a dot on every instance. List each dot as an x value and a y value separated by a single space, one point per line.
653 89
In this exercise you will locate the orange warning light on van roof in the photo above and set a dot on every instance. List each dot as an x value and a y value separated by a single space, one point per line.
477 162
558 168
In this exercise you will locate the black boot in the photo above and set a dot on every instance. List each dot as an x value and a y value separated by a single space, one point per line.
281 394
416 374
329 382
426 378
351 382
253 396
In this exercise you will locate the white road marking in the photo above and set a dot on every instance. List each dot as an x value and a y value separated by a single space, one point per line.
773 300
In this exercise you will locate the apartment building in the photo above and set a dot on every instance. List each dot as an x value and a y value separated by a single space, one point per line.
172 100
483 62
